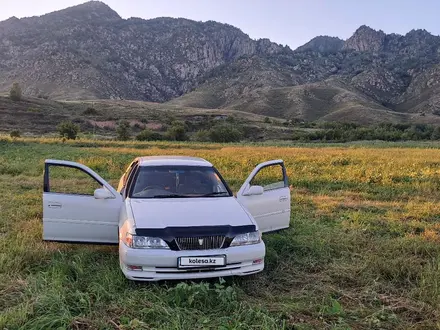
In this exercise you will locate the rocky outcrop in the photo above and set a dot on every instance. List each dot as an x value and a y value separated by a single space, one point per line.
323 44
366 39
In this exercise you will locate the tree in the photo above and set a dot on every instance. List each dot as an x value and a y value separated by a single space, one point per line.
436 133
90 111
15 92
267 120
68 130
176 132
225 133
15 133
201 136
123 130
148 135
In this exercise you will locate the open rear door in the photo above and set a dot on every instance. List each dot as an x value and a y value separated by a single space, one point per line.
78 205
266 195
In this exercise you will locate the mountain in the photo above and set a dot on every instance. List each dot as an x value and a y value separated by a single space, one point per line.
89 52
365 39
323 44
370 72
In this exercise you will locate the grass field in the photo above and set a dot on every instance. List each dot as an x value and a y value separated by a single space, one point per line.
363 250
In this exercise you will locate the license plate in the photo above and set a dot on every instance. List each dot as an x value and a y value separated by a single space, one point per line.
210 261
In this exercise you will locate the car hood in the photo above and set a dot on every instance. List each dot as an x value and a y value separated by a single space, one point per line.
184 212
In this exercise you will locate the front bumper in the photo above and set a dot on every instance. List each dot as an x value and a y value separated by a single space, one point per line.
162 264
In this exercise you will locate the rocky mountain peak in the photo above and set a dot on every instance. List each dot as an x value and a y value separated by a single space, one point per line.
323 44
366 39
92 10
419 36
265 46
11 19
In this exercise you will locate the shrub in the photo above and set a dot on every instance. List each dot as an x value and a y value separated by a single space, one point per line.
138 126
176 132
301 135
148 135
15 133
15 92
267 120
230 119
90 111
225 133
123 130
436 133
68 130
202 136
384 131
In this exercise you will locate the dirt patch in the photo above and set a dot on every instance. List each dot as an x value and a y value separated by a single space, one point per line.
103 124
154 126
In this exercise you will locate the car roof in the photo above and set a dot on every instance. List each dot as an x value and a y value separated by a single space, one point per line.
172 160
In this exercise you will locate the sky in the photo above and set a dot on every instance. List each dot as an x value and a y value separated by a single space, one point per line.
287 22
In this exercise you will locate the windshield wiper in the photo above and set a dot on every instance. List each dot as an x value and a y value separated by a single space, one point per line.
170 196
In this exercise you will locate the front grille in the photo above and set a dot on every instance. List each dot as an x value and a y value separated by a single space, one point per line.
200 242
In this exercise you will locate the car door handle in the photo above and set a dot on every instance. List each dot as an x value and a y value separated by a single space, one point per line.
283 198
54 205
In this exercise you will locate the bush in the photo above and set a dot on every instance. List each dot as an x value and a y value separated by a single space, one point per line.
15 133
225 133
338 132
15 92
230 119
299 135
138 126
436 133
176 132
123 130
267 120
68 130
90 111
202 136
148 135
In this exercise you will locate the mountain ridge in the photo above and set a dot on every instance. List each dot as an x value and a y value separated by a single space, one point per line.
88 51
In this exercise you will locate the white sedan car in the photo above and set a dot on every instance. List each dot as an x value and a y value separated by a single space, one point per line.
173 217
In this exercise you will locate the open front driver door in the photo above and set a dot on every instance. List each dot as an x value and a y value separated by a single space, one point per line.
78 205
266 195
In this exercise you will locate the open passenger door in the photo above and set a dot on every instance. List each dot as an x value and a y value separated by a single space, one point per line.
266 195
78 205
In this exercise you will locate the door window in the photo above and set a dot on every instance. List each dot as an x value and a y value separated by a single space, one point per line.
70 180
270 177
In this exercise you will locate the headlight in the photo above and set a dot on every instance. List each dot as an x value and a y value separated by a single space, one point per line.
247 239
145 242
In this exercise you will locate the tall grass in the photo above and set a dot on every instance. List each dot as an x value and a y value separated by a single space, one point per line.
362 252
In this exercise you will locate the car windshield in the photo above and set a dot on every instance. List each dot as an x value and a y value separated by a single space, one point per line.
178 182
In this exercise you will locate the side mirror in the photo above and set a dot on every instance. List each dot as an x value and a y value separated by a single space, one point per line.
255 190
102 193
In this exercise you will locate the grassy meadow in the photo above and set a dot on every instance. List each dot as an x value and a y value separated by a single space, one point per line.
363 250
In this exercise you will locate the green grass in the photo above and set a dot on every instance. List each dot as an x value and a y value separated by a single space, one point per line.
363 250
